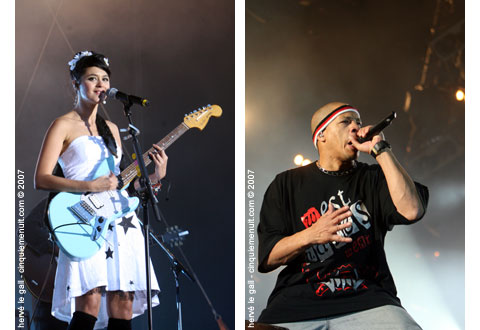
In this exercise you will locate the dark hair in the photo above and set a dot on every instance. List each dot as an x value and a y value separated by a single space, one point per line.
81 65
85 62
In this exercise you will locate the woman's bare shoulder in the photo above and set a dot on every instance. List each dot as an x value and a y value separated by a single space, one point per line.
67 120
65 127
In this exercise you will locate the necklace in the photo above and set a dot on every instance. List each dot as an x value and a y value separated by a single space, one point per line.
337 173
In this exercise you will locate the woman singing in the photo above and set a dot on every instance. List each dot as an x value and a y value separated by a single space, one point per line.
110 287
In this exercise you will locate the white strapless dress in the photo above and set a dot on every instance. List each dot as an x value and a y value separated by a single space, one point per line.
119 265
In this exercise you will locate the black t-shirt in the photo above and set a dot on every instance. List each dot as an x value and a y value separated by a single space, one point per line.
332 278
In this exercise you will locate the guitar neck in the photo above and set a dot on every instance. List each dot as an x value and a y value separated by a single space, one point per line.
130 173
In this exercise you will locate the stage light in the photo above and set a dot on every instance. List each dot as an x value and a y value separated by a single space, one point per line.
306 161
436 254
298 160
460 95
408 101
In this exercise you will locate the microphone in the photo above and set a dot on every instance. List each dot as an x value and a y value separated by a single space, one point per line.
378 128
127 99
103 97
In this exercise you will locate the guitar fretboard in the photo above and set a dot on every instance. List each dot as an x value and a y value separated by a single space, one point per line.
130 173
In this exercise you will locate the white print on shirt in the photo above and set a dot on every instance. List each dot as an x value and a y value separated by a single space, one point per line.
360 217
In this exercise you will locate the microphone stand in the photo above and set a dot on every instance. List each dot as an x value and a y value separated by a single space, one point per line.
148 197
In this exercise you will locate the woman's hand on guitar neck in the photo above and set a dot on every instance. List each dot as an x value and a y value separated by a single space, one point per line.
104 183
160 159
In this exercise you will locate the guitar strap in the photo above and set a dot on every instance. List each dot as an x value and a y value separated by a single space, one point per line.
106 134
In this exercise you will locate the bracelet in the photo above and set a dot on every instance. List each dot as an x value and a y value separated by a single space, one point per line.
156 187
120 182
380 147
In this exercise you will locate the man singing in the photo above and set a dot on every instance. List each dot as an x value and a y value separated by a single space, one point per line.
327 223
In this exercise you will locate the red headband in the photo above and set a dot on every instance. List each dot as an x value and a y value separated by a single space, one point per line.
328 119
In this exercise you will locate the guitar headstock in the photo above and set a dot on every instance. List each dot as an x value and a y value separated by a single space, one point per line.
199 118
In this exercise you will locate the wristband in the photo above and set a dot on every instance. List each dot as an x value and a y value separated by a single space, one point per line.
380 147
156 187
120 182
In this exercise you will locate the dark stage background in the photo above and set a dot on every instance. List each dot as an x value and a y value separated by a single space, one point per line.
179 55
377 56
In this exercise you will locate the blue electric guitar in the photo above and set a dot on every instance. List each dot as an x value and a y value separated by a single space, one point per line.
79 221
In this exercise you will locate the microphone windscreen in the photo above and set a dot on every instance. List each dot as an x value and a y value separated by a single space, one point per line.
111 92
